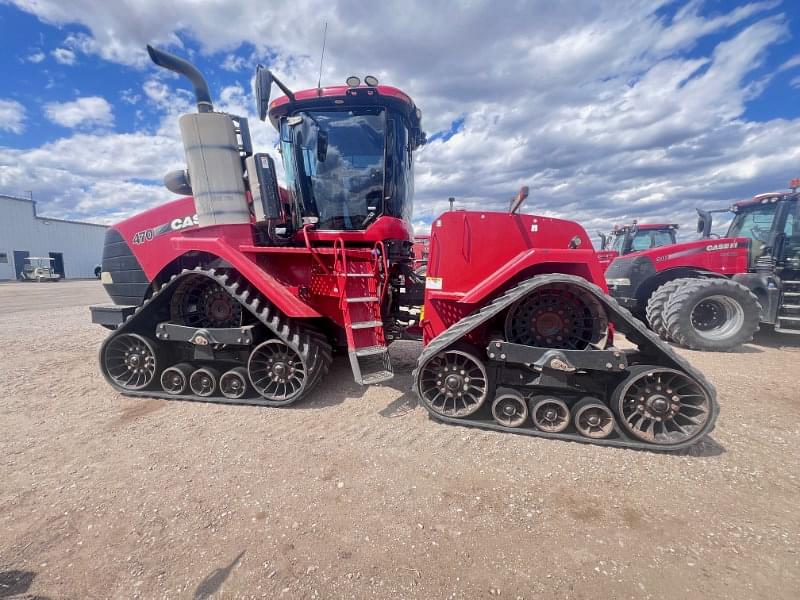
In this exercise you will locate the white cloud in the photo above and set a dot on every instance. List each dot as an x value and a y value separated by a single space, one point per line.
12 116
83 112
234 63
64 56
608 110
36 57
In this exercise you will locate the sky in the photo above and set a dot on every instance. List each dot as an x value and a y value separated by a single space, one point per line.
608 110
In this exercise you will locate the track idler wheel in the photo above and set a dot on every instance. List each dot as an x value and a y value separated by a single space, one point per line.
661 406
203 382
175 379
277 372
233 383
550 414
593 419
559 315
453 383
129 360
509 408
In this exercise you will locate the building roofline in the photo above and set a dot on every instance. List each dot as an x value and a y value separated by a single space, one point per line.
37 216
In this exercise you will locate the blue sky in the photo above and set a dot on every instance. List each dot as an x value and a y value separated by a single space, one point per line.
641 109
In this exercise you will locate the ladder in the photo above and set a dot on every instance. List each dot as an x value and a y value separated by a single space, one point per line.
788 320
360 294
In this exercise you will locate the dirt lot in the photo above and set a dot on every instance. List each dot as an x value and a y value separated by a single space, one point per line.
356 493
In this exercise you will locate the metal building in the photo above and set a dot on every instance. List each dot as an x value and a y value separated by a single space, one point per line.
76 248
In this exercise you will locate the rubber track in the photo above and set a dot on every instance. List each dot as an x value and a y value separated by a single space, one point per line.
624 322
672 310
310 344
658 302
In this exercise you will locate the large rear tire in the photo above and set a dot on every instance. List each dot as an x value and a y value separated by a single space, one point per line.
712 314
658 302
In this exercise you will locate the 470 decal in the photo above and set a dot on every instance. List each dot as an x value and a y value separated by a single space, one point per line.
146 235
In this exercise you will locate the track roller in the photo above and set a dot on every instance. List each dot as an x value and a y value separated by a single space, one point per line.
661 405
203 381
233 383
453 383
592 418
550 414
175 379
509 408
129 360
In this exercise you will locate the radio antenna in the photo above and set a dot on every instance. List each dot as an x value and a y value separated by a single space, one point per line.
322 55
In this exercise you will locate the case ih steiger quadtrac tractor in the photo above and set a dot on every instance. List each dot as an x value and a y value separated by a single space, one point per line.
712 293
241 291
633 238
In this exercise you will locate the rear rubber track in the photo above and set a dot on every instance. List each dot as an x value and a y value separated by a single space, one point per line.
624 322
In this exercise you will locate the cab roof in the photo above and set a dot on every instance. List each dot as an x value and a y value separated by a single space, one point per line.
648 226
342 95
765 198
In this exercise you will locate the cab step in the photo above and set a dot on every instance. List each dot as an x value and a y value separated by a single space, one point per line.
366 324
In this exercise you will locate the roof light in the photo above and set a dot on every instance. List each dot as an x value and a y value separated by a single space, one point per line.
353 81
371 80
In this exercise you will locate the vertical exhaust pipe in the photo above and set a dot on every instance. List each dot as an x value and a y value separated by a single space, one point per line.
215 175
188 70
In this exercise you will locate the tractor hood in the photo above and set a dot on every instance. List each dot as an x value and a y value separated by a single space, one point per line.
631 278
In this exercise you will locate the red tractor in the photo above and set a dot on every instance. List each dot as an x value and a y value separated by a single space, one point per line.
242 291
633 238
712 293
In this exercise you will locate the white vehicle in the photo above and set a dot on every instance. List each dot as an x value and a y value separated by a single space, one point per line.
38 268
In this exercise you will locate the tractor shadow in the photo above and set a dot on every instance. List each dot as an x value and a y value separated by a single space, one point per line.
339 385
767 337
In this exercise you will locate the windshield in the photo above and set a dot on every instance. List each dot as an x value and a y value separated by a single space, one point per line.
341 181
754 223
652 238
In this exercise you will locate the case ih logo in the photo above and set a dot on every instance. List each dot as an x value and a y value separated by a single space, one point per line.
183 223
725 246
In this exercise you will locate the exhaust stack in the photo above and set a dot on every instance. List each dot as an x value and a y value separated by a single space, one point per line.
213 153
188 70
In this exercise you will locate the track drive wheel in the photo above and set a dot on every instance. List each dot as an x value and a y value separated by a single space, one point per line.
453 383
202 302
658 302
559 315
712 314
129 360
661 406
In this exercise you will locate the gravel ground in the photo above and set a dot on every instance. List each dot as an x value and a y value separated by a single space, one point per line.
355 493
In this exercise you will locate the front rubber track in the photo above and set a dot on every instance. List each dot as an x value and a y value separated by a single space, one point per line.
657 352
312 345
678 314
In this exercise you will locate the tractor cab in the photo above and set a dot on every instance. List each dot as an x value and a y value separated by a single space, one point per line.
634 238
347 153
771 223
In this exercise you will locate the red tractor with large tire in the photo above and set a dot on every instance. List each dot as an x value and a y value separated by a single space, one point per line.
242 291
712 293
634 238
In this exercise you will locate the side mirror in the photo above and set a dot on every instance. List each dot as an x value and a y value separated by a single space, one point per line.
263 86
322 145
703 223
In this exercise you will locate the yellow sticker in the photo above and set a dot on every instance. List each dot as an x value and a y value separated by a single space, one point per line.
105 277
